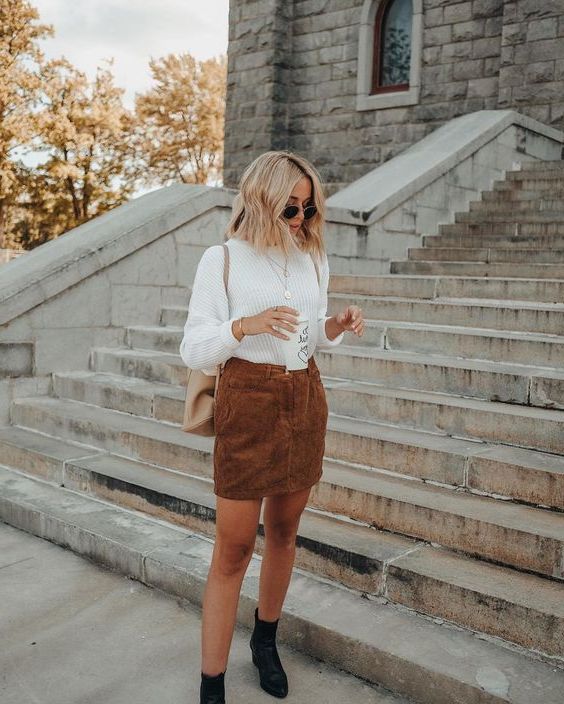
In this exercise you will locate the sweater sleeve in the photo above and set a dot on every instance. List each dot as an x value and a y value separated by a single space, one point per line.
208 338
323 342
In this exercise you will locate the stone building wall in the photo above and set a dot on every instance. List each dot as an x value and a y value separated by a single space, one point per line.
292 78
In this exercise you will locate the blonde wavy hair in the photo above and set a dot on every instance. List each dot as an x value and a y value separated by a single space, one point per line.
264 190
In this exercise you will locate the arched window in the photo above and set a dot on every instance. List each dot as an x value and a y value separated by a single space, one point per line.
392 46
389 53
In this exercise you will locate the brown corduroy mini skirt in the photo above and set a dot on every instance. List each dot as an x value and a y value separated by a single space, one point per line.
270 429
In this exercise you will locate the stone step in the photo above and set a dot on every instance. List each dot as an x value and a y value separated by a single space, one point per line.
523 426
529 182
522 608
541 165
347 551
523 207
507 533
495 241
551 291
533 477
382 643
510 193
486 468
465 342
429 579
487 254
539 175
493 269
493 381
543 217
510 383
515 227
517 316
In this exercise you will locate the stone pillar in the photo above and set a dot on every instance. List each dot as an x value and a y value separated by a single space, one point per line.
258 83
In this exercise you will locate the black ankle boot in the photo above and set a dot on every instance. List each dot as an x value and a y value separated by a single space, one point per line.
212 689
265 656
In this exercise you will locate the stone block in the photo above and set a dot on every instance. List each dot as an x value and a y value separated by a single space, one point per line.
513 34
532 9
205 230
468 69
462 31
487 8
542 50
542 29
437 35
89 304
485 47
304 59
493 27
539 71
456 50
16 359
491 66
559 70
457 12
482 87
510 12
506 58
504 97
332 54
532 94
511 76
154 264
431 55
434 17
438 74
345 69
136 305
258 59
315 40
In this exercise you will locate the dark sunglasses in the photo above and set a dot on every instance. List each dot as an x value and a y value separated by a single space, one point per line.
290 211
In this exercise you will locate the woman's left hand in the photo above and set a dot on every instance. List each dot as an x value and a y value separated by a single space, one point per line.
351 319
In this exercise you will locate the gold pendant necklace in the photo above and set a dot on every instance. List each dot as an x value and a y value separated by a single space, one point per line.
287 294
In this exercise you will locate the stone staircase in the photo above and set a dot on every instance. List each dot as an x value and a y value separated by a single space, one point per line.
440 513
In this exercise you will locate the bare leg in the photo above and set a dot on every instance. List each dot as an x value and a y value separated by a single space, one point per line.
281 521
236 530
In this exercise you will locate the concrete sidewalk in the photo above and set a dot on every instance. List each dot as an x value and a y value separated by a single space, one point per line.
75 632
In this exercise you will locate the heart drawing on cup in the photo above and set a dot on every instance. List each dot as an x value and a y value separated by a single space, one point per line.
303 342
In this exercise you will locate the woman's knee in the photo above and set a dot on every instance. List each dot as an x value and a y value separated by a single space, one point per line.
282 534
232 557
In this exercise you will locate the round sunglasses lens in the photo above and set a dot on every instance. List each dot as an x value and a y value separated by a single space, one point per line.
309 212
291 211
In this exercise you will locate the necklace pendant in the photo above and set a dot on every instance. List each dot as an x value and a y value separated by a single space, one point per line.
287 294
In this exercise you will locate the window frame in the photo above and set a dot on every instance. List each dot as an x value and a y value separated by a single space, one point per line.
373 11
377 48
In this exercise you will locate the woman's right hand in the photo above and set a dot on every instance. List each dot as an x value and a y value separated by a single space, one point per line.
283 317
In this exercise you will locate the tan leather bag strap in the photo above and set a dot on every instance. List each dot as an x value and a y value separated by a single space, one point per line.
226 267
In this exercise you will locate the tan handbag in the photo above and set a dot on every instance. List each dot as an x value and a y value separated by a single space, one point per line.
201 388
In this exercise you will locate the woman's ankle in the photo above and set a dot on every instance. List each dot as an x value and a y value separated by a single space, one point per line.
212 677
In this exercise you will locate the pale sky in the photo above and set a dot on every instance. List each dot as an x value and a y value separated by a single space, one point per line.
132 33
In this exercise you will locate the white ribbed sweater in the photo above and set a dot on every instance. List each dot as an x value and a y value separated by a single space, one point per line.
253 286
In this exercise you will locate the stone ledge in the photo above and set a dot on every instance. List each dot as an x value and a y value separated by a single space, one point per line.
383 189
46 271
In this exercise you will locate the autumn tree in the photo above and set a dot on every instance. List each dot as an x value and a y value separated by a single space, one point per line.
84 133
20 84
180 121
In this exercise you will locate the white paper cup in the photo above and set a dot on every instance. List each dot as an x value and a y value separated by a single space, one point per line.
296 349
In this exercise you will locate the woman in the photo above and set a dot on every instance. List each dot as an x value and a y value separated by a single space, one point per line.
270 422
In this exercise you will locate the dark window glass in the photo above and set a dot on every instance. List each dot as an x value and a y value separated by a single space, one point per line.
395 56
